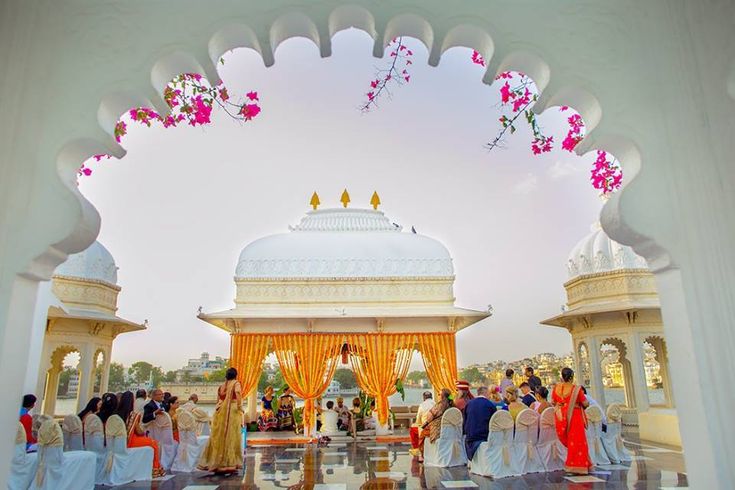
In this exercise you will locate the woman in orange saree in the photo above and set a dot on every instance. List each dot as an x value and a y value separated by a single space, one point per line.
136 434
570 403
223 453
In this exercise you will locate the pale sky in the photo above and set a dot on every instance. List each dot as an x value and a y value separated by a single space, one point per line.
177 210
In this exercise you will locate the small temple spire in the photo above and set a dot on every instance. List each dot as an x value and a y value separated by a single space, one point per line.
314 200
345 199
375 200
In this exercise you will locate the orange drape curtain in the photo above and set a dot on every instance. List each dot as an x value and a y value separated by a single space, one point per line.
308 362
247 353
439 352
378 360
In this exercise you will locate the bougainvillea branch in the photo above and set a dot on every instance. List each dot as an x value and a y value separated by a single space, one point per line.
191 102
396 72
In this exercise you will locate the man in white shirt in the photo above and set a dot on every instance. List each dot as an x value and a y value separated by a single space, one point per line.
424 409
201 417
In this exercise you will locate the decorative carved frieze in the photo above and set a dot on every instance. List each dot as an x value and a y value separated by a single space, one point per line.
611 286
86 293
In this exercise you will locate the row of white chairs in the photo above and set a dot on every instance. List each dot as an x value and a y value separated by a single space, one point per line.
100 455
528 445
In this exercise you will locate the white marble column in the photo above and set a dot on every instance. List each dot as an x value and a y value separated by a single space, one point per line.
52 390
663 360
598 389
253 404
638 373
105 381
86 376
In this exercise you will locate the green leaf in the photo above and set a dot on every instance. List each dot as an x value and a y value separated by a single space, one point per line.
512 129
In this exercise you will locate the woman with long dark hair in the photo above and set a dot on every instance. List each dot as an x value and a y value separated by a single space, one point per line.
93 406
108 407
136 434
570 403
223 453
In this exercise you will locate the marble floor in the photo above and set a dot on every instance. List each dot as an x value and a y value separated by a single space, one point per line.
371 465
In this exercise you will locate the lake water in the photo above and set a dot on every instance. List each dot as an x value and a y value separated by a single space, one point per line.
413 397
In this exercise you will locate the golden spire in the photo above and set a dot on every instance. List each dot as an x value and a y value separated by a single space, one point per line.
314 200
345 199
375 200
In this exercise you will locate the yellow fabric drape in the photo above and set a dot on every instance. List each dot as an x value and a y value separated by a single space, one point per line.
308 362
378 360
247 353
439 352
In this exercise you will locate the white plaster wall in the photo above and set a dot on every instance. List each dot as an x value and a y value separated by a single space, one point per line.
653 80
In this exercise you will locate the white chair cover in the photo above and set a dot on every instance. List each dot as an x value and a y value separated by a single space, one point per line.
449 449
190 446
493 458
612 440
59 470
122 464
161 430
598 456
23 466
72 429
552 452
525 456
94 441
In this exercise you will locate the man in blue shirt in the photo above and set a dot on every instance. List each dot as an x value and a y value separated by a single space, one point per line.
477 418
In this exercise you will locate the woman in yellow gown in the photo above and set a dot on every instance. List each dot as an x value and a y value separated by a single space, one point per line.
223 453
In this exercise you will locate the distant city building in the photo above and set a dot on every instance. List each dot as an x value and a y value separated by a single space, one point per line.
203 366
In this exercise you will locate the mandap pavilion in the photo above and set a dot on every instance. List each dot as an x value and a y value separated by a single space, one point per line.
348 286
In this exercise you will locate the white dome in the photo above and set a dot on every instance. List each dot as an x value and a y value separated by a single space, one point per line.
344 243
94 263
597 252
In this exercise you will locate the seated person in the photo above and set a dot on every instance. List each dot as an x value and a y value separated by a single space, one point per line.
329 419
527 395
514 406
267 419
344 414
29 401
496 398
286 404
371 417
542 402
357 415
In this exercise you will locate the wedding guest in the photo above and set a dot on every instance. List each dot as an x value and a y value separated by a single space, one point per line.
424 408
171 408
29 401
477 417
93 406
431 427
108 407
357 415
541 402
514 406
496 398
286 404
223 452
267 419
507 381
140 399
344 414
463 395
526 394
533 380
201 417
570 425
153 408
136 434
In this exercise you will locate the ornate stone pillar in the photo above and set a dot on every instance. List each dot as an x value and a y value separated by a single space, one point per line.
638 373
630 398
105 380
598 389
662 357
86 376
52 390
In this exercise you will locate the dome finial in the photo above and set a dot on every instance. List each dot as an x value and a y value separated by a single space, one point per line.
375 200
314 200
345 199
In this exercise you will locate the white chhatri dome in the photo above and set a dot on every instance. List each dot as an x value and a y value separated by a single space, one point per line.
94 263
344 243
597 252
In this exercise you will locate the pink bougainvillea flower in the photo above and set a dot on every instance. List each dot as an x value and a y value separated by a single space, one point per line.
563 108
407 78
223 95
370 95
374 83
505 75
101 156
249 111
252 95
202 112
477 58
570 142
121 129
409 62
506 93
85 171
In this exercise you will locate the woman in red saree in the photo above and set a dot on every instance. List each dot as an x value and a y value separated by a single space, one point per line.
136 434
570 403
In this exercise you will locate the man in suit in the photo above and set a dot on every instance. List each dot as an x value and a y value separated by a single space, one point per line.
527 395
153 408
477 417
